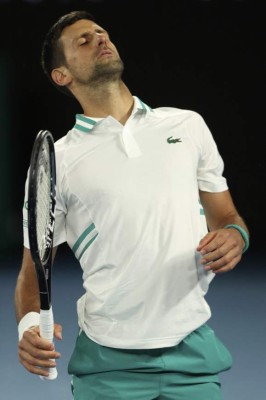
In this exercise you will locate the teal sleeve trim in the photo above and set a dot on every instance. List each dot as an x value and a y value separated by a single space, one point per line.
242 232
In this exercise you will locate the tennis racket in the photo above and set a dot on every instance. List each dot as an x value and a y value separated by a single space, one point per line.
41 219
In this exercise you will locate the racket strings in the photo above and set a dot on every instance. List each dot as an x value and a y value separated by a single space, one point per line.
43 211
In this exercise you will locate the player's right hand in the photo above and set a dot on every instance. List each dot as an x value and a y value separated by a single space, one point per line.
35 353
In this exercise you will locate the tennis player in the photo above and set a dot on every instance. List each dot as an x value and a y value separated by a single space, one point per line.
144 206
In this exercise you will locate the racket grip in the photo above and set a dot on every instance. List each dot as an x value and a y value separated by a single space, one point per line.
47 332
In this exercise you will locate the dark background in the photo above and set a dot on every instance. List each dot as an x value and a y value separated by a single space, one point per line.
208 56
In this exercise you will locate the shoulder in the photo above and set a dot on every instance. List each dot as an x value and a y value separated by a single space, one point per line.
62 149
69 149
62 144
180 113
190 119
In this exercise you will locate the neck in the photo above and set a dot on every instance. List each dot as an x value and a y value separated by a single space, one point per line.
115 100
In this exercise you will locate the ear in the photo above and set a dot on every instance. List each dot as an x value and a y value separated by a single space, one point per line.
61 76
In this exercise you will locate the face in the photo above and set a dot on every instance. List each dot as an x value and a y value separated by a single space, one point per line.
91 58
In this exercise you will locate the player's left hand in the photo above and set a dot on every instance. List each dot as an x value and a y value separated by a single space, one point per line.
221 250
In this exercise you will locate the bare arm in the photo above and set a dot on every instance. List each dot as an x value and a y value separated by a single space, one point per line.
221 248
35 353
26 292
220 210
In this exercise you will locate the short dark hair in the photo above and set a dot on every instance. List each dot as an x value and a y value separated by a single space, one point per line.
52 54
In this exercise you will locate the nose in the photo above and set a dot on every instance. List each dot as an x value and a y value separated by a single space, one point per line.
101 39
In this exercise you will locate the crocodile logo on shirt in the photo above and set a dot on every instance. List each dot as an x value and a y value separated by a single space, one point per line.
171 140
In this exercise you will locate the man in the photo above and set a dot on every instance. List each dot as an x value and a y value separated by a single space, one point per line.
143 204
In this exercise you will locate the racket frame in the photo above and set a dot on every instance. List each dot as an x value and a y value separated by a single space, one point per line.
43 264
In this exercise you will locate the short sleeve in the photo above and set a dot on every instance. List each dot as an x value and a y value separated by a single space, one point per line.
60 214
211 166
60 220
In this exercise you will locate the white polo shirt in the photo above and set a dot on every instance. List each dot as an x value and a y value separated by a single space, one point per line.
128 206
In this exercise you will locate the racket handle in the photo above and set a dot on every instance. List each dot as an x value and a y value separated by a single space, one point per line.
47 332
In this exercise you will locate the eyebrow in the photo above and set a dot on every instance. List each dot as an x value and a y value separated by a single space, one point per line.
85 34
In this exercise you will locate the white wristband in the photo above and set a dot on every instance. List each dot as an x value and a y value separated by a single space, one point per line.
29 320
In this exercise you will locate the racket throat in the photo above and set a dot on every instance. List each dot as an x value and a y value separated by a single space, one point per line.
45 300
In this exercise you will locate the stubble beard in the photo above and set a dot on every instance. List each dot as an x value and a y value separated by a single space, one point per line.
103 73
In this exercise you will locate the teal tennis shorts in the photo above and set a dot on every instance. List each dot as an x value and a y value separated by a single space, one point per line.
188 371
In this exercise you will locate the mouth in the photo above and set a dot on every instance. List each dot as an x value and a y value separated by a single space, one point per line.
105 54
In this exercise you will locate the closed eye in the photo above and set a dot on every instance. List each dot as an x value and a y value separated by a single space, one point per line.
84 39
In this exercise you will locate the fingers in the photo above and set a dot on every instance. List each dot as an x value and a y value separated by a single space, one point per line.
222 264
221 250
38 367
58 331
36 354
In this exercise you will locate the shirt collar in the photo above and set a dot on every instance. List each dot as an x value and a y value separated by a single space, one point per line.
86 124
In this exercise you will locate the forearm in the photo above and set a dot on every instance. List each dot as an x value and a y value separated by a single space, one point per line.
220 210
230 219
26 298
228 237
27 291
